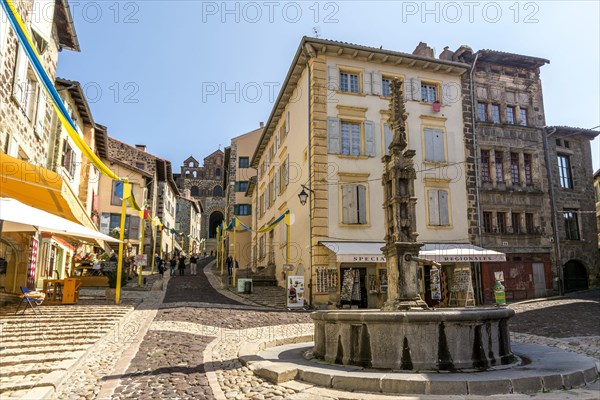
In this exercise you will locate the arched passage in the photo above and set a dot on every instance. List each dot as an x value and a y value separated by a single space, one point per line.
575 276
214 220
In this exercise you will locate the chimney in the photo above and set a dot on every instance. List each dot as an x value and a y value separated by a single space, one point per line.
141 147
446 54
423 50
262 124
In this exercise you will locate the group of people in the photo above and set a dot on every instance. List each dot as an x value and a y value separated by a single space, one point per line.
174 263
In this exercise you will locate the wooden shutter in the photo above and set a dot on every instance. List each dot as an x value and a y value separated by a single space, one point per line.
349 204
376 83
287 122
429 153
387 137
333 78
42 18
362 204
443 207
277 188
434 212
370 138
286 176
115 200
20 81
134 227
333 135
105 223
434 145
40 117
367 76
416 89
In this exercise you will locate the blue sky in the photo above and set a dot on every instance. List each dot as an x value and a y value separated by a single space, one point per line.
184 77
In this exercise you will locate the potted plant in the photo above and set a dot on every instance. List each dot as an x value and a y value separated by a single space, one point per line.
111 290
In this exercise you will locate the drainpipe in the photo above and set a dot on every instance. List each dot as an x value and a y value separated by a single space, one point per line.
476 169
545 133
310 192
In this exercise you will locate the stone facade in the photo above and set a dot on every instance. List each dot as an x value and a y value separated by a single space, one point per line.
205 184
574 198
188 219
597 197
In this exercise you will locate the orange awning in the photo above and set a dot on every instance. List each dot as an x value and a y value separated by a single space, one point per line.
41 188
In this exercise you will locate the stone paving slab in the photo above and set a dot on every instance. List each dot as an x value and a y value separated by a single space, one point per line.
562 370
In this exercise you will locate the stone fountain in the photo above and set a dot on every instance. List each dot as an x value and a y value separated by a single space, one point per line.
405 334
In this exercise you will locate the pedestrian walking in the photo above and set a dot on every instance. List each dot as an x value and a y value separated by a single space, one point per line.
181 265
229 262
193 261
161 267
173 265
157 260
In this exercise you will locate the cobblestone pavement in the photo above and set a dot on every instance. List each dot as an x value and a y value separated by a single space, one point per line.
190 348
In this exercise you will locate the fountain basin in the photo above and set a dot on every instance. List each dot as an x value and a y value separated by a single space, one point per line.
445 340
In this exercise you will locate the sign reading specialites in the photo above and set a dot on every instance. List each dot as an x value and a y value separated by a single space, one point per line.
366 258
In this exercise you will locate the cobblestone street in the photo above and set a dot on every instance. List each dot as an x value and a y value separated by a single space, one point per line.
186 345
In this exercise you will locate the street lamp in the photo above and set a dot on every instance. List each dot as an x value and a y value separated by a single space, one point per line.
303 196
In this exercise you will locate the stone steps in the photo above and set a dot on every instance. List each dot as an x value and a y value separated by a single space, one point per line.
271 296
19 351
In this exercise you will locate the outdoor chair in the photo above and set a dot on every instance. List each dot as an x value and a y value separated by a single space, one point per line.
31 299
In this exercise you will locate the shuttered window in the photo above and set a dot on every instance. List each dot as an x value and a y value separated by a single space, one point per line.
434 145
354 204
438 207
349 82
350 139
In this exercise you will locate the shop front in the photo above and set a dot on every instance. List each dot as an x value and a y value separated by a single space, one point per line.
356 275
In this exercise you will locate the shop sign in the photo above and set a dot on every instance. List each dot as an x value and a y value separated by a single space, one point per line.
435 286
361 258
295 291
141 260
470 258
32 264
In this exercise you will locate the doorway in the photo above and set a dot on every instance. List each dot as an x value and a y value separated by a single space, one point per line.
353 291
539 279
575 276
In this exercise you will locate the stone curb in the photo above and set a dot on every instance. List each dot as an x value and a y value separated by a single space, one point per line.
217 284
353 379
210 372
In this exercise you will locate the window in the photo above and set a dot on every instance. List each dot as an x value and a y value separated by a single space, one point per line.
501 222
261 204
428 93
571 224
514 168
567 144
499 163
217 191
284 174
481 111
488 224
528 169
438 207
354 204
564 171
241 186
132 226
218 172
262 247
242 209
523 117
434 145
351 143
495 113
195 191
516 222
349 82
139 165
244 162
510 115
386 90
529 222
69 159
485 166
558 142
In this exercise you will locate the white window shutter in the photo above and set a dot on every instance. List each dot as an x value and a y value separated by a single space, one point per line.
277 185
370 138
434 212
443 207
40 117
367 83
287 170
429 146
362 204
333 134
333 78
416 89
20 81
438 145
376 83
388 136
348 204
13 147
42 18
287 122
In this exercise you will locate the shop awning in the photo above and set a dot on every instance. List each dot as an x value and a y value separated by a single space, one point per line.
365 252
40 188
19 217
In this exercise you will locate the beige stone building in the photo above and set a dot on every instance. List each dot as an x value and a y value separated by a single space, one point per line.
236 180
326 135
189 221
597 197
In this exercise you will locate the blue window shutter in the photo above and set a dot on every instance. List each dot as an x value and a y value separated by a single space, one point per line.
429 146
367 83
376 83
388 136
434 213
333 134
370 138
443 207
362 204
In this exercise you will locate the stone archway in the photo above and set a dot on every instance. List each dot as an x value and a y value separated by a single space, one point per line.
214 221
575 276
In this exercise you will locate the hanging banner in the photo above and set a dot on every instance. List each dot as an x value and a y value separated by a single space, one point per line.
295 291
32 264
